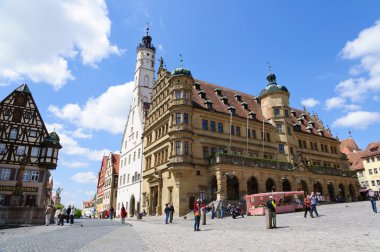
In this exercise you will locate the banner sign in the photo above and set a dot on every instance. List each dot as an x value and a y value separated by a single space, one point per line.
24 189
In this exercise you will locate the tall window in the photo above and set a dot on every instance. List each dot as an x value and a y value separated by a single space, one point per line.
289 131
26 176
268 137
204 124
138 153
281 148
212 126
20 150
276 112
186 148
279 127
34 152
13 133
5 174
248 133
3 148
178 118
286 113
254 134
185 118
237 130
220 127
232 130
178 148
205 152
2 199
178 94
35 175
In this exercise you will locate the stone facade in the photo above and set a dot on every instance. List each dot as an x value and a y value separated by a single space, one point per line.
191 122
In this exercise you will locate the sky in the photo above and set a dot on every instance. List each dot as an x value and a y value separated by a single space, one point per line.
78 58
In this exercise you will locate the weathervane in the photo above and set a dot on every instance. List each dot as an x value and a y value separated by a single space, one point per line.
269 67
181 60
349 133
147 28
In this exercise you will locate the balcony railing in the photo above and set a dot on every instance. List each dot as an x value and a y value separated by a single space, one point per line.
181 159
332 171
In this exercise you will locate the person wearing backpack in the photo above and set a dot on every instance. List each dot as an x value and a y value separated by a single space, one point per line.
306 203
372 198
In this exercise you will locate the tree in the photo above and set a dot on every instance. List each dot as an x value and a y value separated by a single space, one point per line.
77 213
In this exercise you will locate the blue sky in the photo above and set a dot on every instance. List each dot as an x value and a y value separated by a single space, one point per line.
78 58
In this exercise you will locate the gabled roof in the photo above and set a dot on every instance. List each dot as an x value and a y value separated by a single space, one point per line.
23 88
354 158
373 149
116 163
348 145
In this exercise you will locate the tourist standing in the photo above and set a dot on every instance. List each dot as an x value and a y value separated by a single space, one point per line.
221 210
62 216
72 212
68 214
313 205
171 212
197 214
57 215
372 198
272 206
306 203
212 211
111 212
123 213
48 213
166 210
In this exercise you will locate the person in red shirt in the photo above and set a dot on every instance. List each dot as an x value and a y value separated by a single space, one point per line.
197 214
123 213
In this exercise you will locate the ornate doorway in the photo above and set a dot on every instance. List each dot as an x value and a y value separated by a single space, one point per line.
232 188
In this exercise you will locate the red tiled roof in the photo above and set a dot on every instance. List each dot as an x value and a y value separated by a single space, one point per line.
101 174
373 149
219 106
354 158
116 163
348 145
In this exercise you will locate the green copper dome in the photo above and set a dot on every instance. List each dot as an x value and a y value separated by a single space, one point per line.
52 139
182 71
272 85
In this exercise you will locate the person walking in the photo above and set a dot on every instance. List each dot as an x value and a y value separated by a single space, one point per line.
48 213
68 214
306 203
166 210
271 204
171 212
197 214
221 210
313 205
72 212
372 197
57 214
111 212
123 213
212 211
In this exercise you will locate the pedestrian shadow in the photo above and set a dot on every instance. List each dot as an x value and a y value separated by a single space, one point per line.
206 229
279 227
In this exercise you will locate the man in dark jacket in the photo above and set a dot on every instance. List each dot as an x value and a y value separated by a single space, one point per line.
68 214
272 206
171 212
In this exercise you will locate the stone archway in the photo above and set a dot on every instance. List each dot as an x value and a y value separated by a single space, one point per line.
232 188
132 206
270 186
252 186
286 187
302 186
213 188
330 188
352 191
317 188
342 193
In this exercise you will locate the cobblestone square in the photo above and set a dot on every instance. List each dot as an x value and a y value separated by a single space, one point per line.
340 227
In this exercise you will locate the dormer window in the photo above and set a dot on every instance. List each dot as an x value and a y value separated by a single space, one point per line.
303 115
232 110
309 129
244 105
257 100
208 104
218 91
300 120
237 97
197 85
293 112
321 132
311 124
224 100
252 115
297 127
202 94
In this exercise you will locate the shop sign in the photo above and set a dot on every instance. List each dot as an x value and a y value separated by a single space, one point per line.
24 189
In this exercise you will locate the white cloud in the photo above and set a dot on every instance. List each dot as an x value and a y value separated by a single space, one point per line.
37 38
309 102
107 112
340 103
161 47
84 178
72 147
78 133
357 120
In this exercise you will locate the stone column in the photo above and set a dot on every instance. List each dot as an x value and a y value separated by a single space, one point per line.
221 194
159 200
